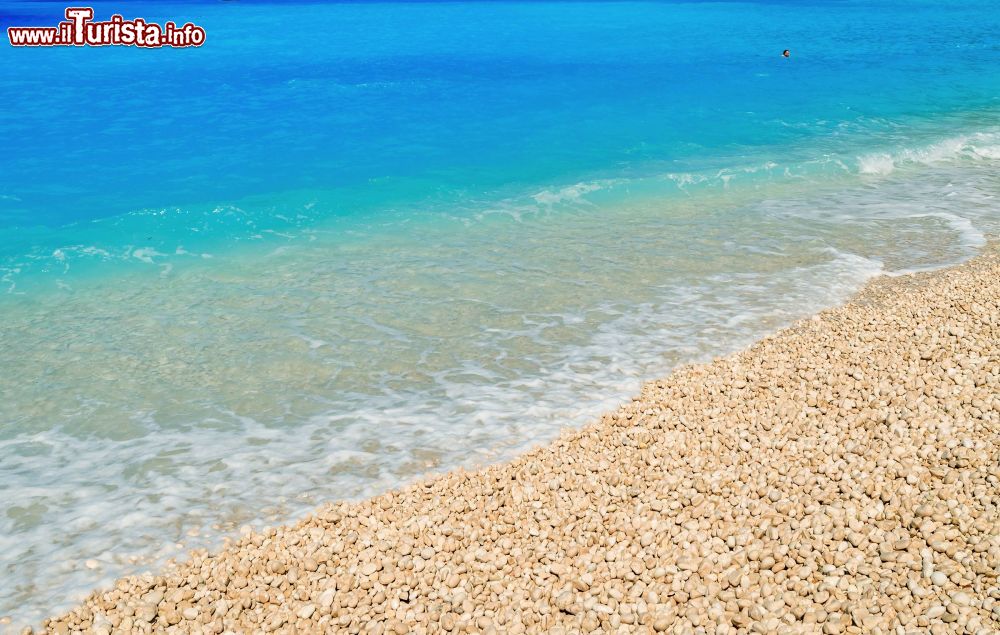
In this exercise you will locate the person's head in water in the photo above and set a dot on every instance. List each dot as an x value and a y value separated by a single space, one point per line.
786 53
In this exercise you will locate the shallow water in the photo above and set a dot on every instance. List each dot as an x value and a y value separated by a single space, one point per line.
432 239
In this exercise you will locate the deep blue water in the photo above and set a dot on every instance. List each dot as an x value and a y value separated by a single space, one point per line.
402 101
344 243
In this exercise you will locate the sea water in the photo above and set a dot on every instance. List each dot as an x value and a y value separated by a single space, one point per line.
342 245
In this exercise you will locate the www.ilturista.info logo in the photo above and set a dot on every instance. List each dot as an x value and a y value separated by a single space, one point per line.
79 29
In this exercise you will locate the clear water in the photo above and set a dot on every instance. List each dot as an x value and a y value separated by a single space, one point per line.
345 244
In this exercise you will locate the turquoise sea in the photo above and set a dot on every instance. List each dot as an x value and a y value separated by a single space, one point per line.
345 244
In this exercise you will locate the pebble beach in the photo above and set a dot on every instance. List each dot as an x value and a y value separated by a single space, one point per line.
841 476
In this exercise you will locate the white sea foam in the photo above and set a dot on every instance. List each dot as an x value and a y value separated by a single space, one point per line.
571 193
146 255
977 146
879 164
970 235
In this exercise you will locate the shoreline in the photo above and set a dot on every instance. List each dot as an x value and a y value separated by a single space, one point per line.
641 522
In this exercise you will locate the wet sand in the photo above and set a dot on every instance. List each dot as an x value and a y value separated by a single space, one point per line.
841 476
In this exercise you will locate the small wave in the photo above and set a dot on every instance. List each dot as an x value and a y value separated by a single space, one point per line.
970 236
568 194
146 255
978 146
878 164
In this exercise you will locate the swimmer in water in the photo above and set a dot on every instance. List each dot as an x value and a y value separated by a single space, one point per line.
786 53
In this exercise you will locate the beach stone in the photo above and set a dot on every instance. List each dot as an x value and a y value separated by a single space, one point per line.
306 611
326 600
